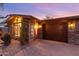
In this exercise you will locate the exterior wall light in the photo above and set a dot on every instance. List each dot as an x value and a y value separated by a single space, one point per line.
36 26
40 26
71 25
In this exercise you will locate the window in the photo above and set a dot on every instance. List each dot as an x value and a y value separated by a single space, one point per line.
16 28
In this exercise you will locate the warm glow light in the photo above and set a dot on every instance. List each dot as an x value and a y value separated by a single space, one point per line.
40 26
17 19
36 28
71 25
17 25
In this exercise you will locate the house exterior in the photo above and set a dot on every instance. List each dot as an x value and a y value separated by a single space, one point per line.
24 27
64 29
27 28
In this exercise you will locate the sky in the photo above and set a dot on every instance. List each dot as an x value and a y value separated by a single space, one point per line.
41 10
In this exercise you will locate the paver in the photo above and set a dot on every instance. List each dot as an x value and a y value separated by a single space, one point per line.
40 48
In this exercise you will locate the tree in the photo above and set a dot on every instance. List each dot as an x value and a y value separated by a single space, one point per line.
48 17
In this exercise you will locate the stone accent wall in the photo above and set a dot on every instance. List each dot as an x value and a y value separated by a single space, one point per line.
73 34
77 32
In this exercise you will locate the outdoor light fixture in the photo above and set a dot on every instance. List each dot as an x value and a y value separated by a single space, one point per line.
71 25
40 26
36 26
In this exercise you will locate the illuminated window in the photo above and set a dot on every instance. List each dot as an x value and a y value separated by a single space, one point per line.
16 28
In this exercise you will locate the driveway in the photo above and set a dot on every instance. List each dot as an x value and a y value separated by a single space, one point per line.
40 48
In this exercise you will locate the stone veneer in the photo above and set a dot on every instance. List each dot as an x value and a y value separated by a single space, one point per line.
73 34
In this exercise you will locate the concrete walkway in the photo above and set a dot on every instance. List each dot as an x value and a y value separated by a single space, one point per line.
40 48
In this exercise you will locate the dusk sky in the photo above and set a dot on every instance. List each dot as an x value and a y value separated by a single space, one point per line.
42 9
